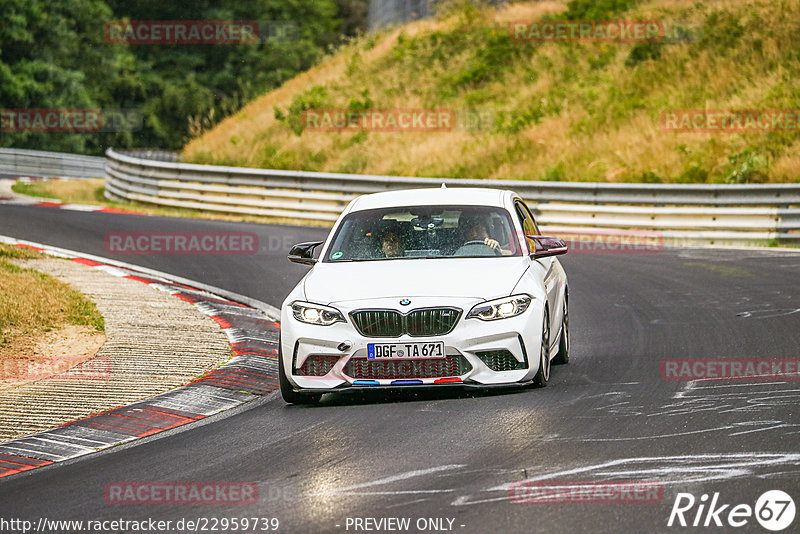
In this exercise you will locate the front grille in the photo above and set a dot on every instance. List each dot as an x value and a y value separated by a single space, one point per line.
317 365
417 323
431 322
396 369
500 360
378 323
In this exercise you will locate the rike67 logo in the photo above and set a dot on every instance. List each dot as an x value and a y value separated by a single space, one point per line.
774 510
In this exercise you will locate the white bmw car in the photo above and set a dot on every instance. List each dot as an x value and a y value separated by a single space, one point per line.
426 288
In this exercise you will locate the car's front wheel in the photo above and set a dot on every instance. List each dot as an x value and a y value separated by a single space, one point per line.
287 391
543 374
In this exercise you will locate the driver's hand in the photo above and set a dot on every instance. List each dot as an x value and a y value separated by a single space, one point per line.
492 243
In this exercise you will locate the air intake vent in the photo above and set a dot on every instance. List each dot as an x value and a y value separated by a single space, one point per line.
419 368
317 365
500 360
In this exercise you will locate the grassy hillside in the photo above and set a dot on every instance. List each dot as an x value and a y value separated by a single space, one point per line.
552 111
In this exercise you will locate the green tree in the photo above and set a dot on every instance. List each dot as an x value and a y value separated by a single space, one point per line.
55 55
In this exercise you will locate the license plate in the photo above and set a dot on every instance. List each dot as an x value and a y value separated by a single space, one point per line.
389 351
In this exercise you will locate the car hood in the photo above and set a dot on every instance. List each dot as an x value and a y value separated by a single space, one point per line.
483 278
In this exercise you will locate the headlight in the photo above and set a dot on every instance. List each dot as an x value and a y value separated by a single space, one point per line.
501 308
306 312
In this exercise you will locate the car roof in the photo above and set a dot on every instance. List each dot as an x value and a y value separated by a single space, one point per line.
470 196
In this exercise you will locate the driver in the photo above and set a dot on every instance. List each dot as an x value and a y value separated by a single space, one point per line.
477 230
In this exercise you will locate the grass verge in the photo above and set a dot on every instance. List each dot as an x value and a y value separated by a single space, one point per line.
90 191
32 303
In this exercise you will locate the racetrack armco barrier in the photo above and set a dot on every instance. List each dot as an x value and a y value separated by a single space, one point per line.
594 217
21 162
614 242
640 217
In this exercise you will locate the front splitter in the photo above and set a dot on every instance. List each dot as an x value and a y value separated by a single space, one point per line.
348 388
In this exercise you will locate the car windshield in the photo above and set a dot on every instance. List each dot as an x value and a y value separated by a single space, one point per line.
424 232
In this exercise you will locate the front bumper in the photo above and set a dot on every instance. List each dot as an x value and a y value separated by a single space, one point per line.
520 336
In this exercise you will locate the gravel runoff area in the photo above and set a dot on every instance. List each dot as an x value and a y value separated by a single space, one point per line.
154 342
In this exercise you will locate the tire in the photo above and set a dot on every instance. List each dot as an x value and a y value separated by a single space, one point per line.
287 390
563 344
543 374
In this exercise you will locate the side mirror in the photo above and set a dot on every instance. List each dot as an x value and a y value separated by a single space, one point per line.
548 246
304 253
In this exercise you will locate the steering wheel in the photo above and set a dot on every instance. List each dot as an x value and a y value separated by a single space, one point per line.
480 242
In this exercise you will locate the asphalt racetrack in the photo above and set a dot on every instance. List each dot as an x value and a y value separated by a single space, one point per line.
450 455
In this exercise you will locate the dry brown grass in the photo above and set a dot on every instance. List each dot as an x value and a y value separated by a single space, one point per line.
787 166
600 119
76 191
32 303
88 191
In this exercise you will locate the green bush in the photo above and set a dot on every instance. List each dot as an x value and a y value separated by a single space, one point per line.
722 31
643 52
693 175
54 55
314 98
596 9
748 167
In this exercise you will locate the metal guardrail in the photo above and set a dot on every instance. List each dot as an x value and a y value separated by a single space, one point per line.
678 213
20 162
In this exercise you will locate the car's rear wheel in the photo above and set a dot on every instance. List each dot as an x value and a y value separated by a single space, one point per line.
543 374
563 345
287 391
